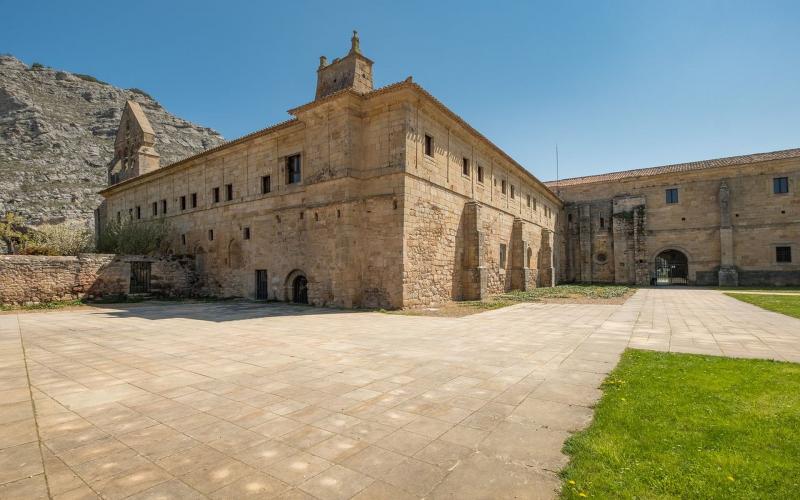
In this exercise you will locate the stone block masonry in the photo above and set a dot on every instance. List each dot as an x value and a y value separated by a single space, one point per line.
33 279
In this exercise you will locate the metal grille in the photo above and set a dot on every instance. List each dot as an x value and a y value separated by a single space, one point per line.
261 284
140 277
672 268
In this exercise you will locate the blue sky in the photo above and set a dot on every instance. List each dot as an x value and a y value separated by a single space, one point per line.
617 85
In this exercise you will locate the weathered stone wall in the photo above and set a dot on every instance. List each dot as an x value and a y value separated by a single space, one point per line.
759 220
28 279
456 222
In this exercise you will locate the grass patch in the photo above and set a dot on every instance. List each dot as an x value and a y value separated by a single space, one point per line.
600 294
569 292
58 304
690 426
784 304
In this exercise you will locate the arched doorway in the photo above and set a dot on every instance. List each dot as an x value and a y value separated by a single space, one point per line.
672 268
300 290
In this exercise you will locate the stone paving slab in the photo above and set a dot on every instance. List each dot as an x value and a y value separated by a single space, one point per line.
278 401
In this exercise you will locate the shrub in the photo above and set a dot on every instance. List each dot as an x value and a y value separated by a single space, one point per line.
37 66
140 92
90 78
134 238
67 238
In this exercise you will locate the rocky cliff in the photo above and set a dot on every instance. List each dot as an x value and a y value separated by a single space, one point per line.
56 139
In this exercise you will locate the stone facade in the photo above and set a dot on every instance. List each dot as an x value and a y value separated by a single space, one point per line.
397 202
32 279
728 219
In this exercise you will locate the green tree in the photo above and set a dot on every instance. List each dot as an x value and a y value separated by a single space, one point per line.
13 231
134 237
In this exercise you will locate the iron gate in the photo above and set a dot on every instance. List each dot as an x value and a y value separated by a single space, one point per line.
261 284
140 277
672 268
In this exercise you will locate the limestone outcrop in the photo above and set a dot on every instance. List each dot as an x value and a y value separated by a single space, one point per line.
57 137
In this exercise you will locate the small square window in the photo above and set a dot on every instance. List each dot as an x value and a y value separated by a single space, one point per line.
246 233
228 192
210 235
480 174
783 254
502 256
780 185
503 186
194 200
215 194
266 184
672 195
465 170
428 145
183 202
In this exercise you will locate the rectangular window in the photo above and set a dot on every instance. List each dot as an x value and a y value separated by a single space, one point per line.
783 254
512 191
155 208
246 233
130 213
293 169
163 207
428 145
503 186
672 195
119 216
502 256
210 235
266 184
228 192
480 174
465 167
138 212
528 200
183 202
183 239
215 195
194 200
602 223
780 185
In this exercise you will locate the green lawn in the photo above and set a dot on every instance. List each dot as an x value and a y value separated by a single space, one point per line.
689 426
784 304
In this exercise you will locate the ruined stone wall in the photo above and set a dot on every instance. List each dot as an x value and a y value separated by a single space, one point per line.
759 218
32 279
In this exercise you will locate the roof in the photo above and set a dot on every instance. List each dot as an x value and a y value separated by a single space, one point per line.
729 161
144 123
405 84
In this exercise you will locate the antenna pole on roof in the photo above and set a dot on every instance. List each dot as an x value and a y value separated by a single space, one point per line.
556 167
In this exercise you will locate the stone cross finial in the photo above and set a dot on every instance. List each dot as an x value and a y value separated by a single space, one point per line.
355 47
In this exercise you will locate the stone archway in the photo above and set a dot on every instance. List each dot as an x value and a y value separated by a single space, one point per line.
296 287
672 268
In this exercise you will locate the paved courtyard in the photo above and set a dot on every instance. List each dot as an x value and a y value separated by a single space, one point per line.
236 400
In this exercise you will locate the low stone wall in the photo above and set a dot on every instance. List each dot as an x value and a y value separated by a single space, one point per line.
31 279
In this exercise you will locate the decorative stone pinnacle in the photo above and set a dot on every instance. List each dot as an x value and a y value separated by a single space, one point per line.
355 47
323 61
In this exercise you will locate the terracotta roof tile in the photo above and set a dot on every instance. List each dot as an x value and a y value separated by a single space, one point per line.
676 168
